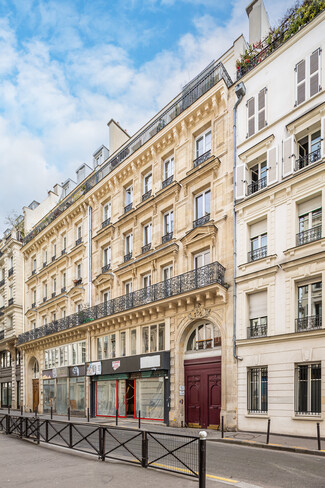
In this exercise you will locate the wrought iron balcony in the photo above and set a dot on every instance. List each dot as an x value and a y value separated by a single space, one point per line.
256 254
310 322
146 247
44 299
201 277
167 181
33 272
2 282
77 282
10 302
44 264
53 258
308 159
257 330
53 294
309 235
63 251
78 241
127 257
201 159
106 222
201 220
34 305
106 267
128 207
146 195
167 237
10 271
256 186
63 289
2 335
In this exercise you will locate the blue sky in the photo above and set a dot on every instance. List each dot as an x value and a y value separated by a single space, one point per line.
68 66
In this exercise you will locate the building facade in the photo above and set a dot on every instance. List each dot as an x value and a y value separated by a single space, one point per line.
127 279
280 178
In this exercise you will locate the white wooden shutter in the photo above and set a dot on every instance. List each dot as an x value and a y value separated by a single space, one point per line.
272 165
314 72
323 136
251 117
288 156
261 121
301 82
240 181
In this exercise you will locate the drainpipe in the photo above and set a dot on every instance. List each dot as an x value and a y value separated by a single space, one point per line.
240 91
22 359
89 253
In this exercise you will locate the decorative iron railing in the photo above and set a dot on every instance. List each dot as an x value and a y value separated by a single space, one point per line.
127 208
53 294
167 181
190 94
63 251
310 322
106 267
309 235
201 159
146 195
10 271
256 186
44 264
146 248
210 274
256 254
308 159
167 237
53 258
201 220
2 335
106 222
257 330
10 302
78 241
63 289
33 272
127 257
44 299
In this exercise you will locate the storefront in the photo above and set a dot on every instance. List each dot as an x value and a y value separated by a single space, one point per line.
64 388
131 384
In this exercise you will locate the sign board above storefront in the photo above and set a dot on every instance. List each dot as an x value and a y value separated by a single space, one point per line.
94 369
150 362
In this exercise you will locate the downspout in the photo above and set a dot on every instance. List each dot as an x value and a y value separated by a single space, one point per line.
240 91
23 358
89 253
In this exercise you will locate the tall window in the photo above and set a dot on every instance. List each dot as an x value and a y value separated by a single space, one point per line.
308 388
169 222
128 287
147 234
79 271
44 290
54 285
122 344
107 257
201 259
308 77
258 241
309 149
202 205
258 178
64 242
128 196
167 272
34 265
106 211
79 233
168 168
53 250
128 244
309 306
146 281
257 380
257 314
44 257
309 221
106 347
203 144
256 112
63 281
153 338
147 183
133 342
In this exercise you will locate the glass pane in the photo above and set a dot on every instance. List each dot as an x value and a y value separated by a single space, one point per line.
199 207
99 348
133 341
208 141
315 388
161 337
303 223
207 202
254 390
122 344
303 301
263 240
264 388
315 141
316 218
105 347
61 396
150 397
113 346
302 388
77 394
145 339
263 169
199 147
121 398
153 338
106 398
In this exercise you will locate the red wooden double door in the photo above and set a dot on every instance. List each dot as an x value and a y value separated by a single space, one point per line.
203 392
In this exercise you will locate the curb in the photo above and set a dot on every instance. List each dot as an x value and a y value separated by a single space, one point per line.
274 447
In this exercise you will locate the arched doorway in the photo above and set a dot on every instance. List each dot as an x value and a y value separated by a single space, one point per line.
34 374
202 369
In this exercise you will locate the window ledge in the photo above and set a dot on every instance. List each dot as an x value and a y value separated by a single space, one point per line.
308 417
268 260
257 416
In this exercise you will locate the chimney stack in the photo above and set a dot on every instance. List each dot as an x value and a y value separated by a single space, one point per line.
259 24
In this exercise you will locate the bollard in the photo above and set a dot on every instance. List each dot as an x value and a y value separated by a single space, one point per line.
139 419
88 415
144 462
268 431
202 458
116 418
222 428
51 412
69 414
318 436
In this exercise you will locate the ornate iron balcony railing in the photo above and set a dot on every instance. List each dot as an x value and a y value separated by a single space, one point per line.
309 235
106 267
2 282
167 181
53 258
201 220
44 299
10 302
44 264
10 271
167 237
127 208
256 254
201 159
63 289
256 186
78 241
127 257
33 272
213 273
308 159
34 305
146 248
63 251
53 294
257 330
310 322
146 195
2 335
106 222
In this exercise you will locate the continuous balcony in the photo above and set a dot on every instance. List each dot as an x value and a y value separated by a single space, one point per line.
308 159
257 254
257 330
167 237
146 195
211 274
256 185
311 322
106 222
310 235
201 159
201 221
167 181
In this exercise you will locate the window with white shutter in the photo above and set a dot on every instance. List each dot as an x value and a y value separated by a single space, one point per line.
251 116
261 118
256 113
301 81
314 72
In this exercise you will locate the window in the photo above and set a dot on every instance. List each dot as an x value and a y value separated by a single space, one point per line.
153 338
308 389
147 234
256 112
5 359
168 170
147 183
63 281
79 234
309 149
67 355
54 285
146 281
307 77
107 212
167 272
258 241
122 344
44 257
128 287
128 245
79 271
202 208
168 223
257 177
107 257
64 242
205 336
106 296
201 259
257 314
53 251
309 306
44 291
257 380
106 347
133 342
309 221
34 265
128 198
203 144
34 297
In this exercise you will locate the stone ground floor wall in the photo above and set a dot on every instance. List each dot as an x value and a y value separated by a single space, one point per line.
281 356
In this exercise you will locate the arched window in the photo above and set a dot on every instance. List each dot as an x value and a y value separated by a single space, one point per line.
204 336
35 370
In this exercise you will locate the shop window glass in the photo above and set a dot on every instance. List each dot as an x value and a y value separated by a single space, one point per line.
161 337
48 395
77 394
106 398
61 396
153 338
145 339
150 397
133 341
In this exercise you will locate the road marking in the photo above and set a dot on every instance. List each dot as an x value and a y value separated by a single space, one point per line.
221 479
183 470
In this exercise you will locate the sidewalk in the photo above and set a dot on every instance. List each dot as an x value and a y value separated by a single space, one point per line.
304 445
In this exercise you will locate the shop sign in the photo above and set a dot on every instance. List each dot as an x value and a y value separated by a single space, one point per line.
150 362
47 374
60 372
94 369
116 365
75 371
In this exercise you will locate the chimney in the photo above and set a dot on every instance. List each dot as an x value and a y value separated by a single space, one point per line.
117 136
259 24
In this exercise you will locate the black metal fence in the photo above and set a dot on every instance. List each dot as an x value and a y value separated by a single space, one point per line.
171 452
